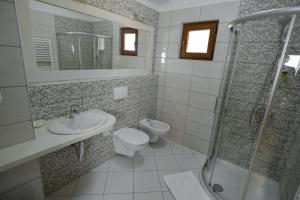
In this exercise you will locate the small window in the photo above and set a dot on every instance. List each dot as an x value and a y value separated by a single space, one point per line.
129 43
198 40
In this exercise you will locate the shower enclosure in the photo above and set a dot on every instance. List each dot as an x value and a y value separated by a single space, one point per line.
254 152
79 50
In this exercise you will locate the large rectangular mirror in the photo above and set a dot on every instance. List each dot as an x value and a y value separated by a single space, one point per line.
68 40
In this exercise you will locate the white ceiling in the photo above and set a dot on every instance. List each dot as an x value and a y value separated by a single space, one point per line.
167 5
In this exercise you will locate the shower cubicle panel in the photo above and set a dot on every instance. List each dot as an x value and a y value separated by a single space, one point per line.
78 50
254 152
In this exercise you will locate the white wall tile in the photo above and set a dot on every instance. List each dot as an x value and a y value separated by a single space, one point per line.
174 108
179 66
14 107
161 50
163 34
160 92
164 19
175 34
160 65
173 50
120 60
175 135
161 78
190 81
203 101
136 62
223 33
16 133
32 190
177 123
205 85
159 104
225 12
220 52
178 81
44 31
19 175
39 17
200 116
184 15
196 143
208 69
198 130
176 95
11 67
9 33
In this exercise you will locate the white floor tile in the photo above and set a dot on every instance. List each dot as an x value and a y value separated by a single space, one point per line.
118 197
147 181
102 168
168 196
146 151
119 182
162 182
166 162
180 149
91 183
62 197
143 163
187 162
148 196
67 189
87 197
201 158
161 147
121 163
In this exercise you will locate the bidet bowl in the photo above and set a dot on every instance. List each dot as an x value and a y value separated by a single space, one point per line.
154 128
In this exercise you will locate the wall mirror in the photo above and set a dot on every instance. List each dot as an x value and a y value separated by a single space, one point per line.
69 42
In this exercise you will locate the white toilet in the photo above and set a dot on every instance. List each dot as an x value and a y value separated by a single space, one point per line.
129 140
154 128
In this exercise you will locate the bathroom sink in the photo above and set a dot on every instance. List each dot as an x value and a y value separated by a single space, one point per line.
81 123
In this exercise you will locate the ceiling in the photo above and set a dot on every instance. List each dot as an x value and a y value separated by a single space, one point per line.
167 5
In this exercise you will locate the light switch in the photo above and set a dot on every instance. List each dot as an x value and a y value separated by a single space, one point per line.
120 92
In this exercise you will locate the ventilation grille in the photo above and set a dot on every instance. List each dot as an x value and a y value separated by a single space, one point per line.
43 54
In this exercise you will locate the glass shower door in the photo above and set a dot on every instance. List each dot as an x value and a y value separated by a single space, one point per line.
276 169
251 80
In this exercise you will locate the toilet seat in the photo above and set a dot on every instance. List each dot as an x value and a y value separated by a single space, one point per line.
132 136
129 140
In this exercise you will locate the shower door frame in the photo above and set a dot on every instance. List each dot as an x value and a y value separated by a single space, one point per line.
221 103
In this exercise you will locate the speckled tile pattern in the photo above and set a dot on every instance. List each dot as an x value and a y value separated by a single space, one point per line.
127 8
260 43
52 101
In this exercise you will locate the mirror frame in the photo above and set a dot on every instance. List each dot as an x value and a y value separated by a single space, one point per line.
24 21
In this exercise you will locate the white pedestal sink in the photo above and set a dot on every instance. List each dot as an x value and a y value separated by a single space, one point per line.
81 123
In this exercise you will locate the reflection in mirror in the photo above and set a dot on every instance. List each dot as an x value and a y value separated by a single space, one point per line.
68 40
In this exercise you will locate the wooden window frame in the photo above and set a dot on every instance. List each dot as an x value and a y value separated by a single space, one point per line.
123 31
212 26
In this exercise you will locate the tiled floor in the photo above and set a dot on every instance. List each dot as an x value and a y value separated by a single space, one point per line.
138 178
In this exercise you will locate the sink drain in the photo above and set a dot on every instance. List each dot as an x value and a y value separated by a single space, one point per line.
217 188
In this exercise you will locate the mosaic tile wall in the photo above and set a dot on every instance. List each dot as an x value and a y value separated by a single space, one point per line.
51 101
85 58
260 46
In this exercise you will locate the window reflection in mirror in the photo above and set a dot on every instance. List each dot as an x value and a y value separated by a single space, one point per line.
68 40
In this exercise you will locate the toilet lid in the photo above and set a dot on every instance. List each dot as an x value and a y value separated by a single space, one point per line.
132 136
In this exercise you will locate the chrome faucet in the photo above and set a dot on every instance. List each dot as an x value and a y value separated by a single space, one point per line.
74 110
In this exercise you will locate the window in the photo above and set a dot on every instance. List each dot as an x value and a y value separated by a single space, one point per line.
129 43
198 40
